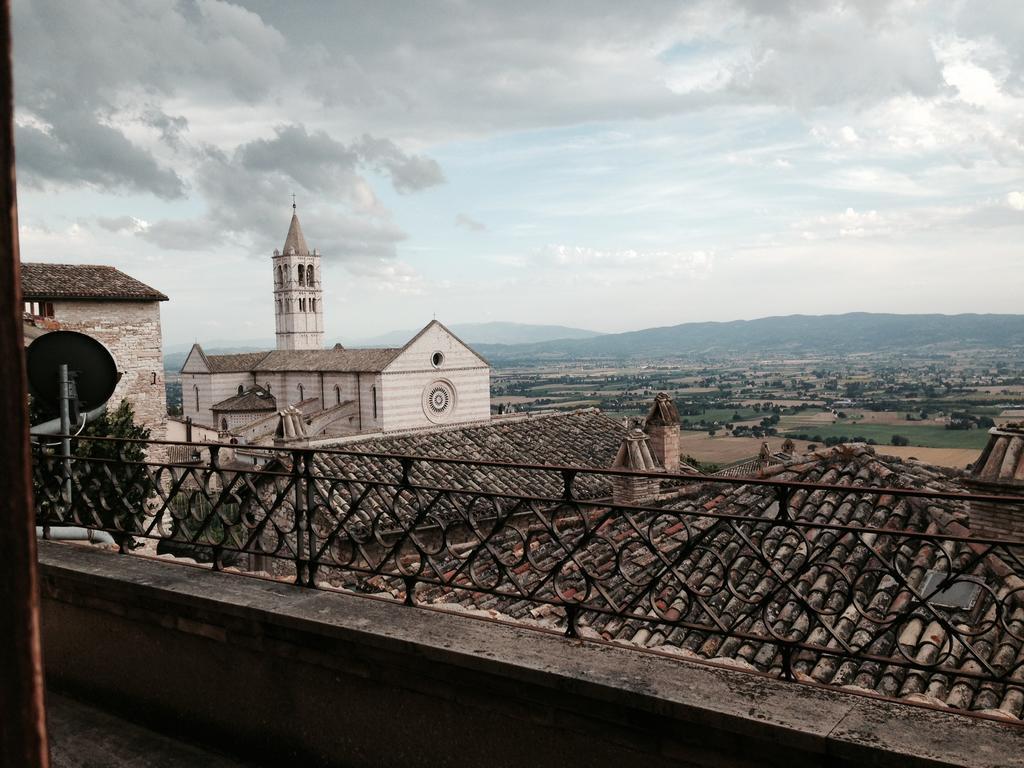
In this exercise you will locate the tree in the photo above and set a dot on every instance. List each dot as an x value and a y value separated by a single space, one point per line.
112 470
899 440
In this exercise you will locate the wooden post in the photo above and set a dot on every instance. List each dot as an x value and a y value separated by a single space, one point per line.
22 715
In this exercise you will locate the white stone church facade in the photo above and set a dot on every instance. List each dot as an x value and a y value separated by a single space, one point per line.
434 380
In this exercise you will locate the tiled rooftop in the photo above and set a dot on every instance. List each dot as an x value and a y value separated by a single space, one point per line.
252 399
844 596
585 438
41 282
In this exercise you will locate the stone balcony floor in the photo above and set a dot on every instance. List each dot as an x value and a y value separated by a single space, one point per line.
82 736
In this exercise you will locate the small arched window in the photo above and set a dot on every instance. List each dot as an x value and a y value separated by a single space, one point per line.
280 278
196 388
224 424
310 279
302 275
279 306
373 393
337 395
302 393
312 307
241 389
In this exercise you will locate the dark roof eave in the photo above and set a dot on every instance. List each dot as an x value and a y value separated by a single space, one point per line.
81 297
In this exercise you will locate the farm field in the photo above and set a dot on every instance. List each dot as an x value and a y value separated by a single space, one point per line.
728 406
721 450
928 436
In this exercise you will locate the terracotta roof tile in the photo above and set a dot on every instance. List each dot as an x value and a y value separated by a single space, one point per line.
843 575
252 399
82 281
335 359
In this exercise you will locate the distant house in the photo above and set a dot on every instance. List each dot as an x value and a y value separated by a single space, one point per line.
115 309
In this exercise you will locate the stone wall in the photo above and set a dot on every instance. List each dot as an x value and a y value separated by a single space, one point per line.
208 389
665 444
286 675
996 521
130 330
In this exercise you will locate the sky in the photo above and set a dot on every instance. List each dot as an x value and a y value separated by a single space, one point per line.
610 165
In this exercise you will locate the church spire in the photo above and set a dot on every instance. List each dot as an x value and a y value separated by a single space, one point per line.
298 294
295 238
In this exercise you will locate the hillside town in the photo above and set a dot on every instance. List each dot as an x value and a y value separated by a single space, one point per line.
702 445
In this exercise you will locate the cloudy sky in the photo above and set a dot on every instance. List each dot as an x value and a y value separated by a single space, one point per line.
608 165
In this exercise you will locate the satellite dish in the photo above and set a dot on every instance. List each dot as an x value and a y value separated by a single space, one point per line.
96 371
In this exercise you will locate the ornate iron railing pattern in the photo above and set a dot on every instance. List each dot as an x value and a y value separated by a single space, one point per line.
761 576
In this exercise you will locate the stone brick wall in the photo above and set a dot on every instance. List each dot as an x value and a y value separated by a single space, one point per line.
634 490
665 444
130 330
996 521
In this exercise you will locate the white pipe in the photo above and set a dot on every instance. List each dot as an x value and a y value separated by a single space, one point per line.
52 427
76 533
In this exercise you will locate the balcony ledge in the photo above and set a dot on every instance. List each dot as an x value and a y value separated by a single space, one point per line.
344 679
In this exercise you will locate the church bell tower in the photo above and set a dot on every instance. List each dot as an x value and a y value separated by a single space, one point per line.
298 297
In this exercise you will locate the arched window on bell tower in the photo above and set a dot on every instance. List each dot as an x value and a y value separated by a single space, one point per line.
302 275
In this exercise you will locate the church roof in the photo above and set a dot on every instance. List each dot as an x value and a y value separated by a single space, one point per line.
82 281
339 360
241 362
336 360
295 238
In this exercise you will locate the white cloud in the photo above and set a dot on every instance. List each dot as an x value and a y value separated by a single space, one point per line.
1015 200
628 265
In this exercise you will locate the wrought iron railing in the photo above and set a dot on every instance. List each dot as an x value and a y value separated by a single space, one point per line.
879 587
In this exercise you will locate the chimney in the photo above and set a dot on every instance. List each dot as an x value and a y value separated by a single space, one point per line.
999 470
636 454
662 426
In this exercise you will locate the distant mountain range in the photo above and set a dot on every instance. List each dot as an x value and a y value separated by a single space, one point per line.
792 334
475 334
486 333
511 343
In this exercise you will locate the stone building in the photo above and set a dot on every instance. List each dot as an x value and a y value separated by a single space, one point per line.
116 310
435 379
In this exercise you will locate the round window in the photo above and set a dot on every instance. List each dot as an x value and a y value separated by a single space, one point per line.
436 359
438 400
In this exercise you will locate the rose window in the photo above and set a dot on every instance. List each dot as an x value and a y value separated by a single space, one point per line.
438 400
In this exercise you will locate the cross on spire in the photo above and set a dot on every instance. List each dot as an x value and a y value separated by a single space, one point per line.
293 202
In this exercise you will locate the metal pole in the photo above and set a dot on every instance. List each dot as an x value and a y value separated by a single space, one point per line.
65 430
22 713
